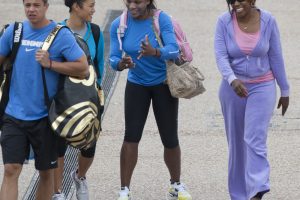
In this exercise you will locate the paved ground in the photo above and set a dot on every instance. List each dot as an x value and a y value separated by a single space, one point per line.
204 148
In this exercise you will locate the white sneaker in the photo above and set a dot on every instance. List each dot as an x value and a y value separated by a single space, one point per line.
124 194
59 196
82 192
177 191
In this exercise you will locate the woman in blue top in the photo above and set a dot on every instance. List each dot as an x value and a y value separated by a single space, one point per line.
249 57
145 62
81 12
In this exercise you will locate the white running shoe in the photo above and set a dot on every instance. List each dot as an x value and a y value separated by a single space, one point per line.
82 192
177 191
59 196
124 194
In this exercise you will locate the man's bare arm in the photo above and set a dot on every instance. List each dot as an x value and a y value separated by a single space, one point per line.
78 68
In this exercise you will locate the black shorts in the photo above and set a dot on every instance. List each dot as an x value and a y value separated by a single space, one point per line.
18 135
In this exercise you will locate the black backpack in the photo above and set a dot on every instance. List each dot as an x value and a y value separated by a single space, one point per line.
75 112
96 34
7 65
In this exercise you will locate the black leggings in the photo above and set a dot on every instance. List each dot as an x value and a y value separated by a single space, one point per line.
165 108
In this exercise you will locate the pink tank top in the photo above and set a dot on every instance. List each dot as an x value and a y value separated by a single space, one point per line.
247 42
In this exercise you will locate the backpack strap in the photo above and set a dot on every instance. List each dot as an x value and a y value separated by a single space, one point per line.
17 37
49 40
96 35
7 66
156 20
122 27
157 36
46 45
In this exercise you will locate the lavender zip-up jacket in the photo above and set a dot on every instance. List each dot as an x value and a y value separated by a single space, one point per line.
266 56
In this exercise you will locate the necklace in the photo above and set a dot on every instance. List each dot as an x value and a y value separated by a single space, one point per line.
246 27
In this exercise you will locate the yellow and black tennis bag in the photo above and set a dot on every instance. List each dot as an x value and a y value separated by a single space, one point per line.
76 109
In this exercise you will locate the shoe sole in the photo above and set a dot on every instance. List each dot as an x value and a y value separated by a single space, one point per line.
171 197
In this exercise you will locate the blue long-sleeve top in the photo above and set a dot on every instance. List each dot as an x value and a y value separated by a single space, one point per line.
266 56
149 70
88 37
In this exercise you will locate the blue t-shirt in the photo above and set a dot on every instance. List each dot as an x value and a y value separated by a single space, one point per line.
149 70
26 95
89 39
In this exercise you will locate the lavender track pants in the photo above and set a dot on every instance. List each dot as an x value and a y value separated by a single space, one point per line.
246 124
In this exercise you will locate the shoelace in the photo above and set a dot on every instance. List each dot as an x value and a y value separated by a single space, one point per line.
83 185
59 195
180 188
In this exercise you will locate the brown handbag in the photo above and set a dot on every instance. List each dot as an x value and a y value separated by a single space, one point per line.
184 79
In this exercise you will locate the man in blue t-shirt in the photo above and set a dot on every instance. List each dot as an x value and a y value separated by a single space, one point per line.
25 121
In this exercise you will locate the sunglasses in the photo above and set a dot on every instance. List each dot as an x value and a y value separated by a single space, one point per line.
233 1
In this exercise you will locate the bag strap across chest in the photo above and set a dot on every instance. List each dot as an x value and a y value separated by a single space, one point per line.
46 45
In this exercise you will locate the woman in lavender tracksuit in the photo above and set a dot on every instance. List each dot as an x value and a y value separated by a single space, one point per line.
249 57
